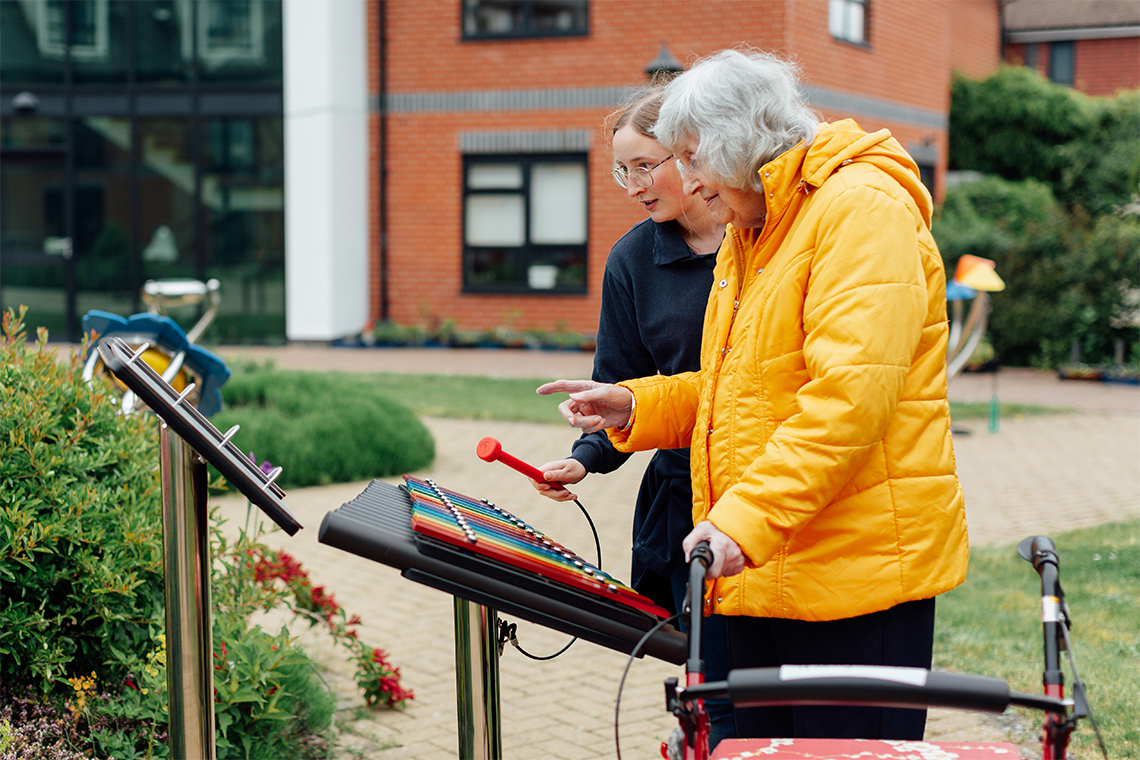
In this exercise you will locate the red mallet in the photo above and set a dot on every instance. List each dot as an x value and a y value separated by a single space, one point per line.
490 450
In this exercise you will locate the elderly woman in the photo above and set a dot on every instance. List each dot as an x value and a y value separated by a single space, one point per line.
823 470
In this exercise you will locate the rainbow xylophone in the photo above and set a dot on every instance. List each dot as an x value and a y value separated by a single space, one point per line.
480 527
377 525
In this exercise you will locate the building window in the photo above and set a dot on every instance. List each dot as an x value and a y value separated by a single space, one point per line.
1031 55
229 31
1061 58
483 19
847 20
525 223
88 28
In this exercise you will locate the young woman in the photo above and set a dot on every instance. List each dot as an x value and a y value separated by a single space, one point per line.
657 282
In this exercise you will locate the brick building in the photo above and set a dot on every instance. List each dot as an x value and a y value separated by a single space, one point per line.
487 194
1090 45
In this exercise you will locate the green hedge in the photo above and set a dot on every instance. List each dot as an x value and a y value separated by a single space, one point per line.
322 427
82 646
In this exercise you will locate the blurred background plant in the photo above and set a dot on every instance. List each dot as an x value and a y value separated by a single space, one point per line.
1057 207
323 427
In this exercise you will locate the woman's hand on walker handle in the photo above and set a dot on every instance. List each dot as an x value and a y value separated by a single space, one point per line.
592 406
558 475
727 557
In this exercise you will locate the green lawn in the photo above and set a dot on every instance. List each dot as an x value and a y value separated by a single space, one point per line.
514 399
991 626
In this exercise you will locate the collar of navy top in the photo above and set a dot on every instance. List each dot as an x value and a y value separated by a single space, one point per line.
669 246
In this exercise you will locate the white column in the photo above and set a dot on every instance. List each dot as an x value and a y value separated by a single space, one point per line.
326 168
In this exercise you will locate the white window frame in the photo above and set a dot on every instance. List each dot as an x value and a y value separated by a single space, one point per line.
214 56
51 46
840 19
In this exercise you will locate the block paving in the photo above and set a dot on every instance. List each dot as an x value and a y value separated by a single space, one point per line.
1036 474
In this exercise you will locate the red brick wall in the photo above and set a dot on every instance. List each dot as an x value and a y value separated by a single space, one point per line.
1102 67
906 62
975 37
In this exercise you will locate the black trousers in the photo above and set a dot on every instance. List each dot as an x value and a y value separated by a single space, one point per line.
901 636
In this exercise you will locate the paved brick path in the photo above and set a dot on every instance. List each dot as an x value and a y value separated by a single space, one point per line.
1038 474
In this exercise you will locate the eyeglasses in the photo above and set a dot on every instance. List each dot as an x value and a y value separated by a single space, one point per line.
683 166
641 176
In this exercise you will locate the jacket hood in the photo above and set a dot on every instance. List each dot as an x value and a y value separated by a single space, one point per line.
844 142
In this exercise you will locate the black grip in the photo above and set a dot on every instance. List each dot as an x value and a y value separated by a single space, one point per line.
702 553
866 685
1038 550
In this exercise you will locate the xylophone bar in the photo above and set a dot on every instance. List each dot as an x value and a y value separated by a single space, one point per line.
376 525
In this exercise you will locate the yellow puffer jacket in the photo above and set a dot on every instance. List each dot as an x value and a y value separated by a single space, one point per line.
819 424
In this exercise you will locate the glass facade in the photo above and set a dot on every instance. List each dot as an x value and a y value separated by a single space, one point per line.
142 139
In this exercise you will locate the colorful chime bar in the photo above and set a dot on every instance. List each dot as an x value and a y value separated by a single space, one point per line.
482 528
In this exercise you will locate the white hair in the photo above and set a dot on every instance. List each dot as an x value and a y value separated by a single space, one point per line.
742 108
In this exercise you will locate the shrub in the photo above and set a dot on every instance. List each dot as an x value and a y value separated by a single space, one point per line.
82 649
1018 125
1067 276
1101 169
323 428
80 520
1012 122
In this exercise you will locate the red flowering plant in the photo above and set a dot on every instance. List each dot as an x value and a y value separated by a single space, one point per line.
267 579
279 572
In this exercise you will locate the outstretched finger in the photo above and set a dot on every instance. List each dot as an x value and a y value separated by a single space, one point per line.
564 386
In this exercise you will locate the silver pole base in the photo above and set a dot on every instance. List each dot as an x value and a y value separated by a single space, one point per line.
477 681
189 643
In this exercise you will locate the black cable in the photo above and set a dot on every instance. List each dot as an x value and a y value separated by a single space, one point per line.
621 684
507 630
507 633
1079 687
597 543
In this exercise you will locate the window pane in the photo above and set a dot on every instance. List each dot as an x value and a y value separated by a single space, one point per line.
239 40
854 22
1061 62
494 177
32 268
32 132
103 273
1031 49
493 220
166 208
98 40
558 16
835 18
162 35
482 17
23 58
243 213
558 204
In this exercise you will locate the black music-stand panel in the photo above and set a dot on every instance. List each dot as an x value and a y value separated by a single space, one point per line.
376 525
197 431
